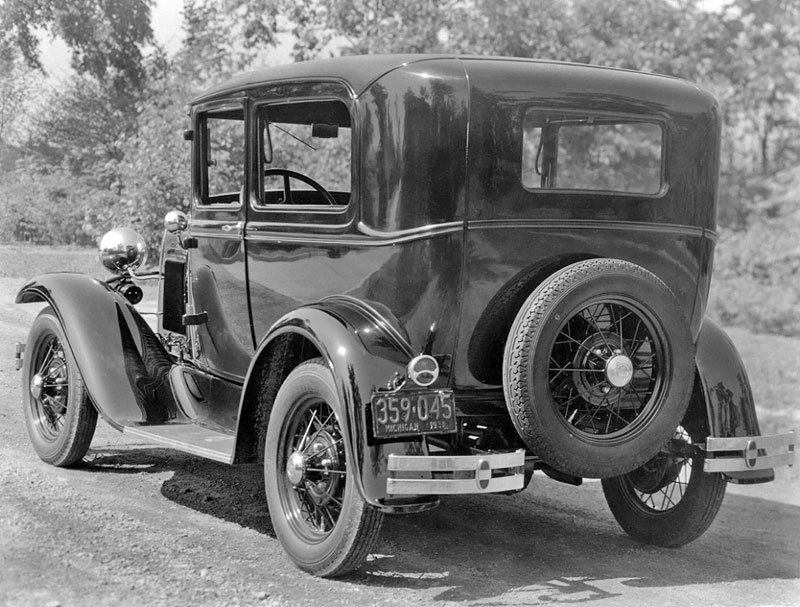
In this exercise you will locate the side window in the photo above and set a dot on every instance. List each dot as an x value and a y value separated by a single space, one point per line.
590 152
305 154
222 145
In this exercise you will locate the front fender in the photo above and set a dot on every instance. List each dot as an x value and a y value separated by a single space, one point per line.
729 398
364 350
122 362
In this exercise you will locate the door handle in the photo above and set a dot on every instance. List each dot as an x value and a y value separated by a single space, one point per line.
231 227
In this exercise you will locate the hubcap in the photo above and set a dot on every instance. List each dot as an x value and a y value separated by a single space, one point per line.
619 370
296 468
37 385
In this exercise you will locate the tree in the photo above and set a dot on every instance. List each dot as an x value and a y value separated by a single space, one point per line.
331 27
759 58
106 36
225 36
17 86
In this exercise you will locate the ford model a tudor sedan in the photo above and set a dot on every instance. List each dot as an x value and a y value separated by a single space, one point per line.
410 276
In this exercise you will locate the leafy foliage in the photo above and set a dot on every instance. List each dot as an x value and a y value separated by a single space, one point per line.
105 147
757 271
106 36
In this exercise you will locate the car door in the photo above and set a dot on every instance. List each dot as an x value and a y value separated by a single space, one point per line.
301 207
218 320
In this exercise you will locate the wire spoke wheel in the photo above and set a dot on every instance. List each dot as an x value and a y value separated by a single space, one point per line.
313 486
58 412
662 482
606 368
598 368
670 500
50 389
317 512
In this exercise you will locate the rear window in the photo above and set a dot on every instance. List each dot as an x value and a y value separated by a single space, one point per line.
584 151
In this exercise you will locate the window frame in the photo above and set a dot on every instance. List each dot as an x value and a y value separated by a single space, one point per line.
611 118
200 116
299 216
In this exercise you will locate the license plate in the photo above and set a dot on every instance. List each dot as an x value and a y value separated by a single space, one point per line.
412 413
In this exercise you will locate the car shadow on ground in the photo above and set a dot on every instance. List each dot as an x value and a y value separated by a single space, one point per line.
231 493
556 546
550 543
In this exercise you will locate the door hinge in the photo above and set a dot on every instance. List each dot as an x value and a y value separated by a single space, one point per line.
195 319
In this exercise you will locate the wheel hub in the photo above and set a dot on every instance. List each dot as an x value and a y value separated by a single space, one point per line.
296 468
322 483
37 386
619 370
591 363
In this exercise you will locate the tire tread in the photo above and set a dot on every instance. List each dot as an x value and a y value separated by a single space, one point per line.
523 337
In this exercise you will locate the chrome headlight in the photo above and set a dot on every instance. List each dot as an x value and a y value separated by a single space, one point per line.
122 250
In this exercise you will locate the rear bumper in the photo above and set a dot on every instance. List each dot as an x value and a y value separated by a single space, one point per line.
455 474
746 453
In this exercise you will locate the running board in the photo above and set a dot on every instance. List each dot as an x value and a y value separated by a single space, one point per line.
189 438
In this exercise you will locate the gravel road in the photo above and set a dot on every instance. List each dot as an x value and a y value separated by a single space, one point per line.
141 525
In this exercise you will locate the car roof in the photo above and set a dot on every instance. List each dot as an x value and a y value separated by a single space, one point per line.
359 71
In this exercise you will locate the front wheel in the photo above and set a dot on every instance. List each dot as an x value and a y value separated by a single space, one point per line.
58 413
317 512
669 501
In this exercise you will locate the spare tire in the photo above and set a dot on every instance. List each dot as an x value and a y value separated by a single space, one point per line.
598 368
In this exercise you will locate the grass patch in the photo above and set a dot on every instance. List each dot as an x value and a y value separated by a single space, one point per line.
27 261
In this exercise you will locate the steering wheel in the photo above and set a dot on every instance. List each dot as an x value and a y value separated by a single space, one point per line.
287 188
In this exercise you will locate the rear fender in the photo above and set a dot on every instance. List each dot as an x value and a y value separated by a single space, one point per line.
728 396
122 362
364 349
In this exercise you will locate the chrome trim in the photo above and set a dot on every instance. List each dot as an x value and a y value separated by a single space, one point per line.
489 473
589 224
435 228
422 376
257 229
218 230
145 277
743 453
176 221
371 239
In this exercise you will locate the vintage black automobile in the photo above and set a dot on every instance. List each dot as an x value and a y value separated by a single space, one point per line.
410 276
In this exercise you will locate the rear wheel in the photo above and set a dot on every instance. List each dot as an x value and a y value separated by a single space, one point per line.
669 501
317 512
59 415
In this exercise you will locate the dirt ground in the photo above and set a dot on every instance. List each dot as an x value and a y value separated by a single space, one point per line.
141 525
